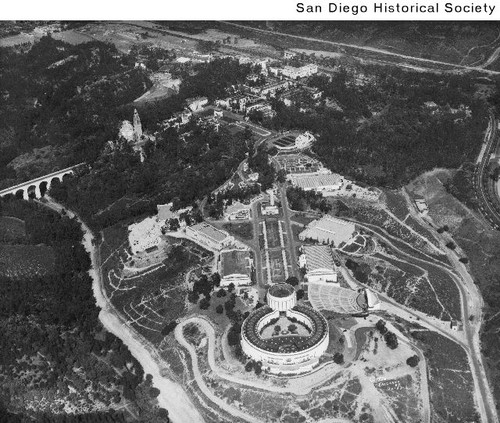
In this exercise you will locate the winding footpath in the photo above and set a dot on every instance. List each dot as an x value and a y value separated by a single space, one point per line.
172 395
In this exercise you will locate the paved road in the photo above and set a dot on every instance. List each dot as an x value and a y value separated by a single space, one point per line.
470 300
371 50
483 191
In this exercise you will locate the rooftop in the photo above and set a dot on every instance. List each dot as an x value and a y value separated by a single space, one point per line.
329 229
318 257
316 181
285 344
210 231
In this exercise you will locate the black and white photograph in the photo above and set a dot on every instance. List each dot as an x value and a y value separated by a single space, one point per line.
251 221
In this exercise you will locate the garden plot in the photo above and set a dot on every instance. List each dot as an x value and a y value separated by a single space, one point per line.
273 235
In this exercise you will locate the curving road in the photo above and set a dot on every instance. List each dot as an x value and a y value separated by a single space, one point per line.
369 49
172 395
471 302
491 141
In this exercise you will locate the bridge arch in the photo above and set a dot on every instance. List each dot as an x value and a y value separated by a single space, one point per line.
37 187
20 194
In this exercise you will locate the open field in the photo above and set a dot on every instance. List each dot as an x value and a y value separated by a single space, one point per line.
26 261
12 230
242 230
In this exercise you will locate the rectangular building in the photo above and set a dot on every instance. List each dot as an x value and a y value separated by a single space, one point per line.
317 181
236 268
328 230
209 236
317 260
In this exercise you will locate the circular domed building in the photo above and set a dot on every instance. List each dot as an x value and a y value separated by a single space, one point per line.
287 338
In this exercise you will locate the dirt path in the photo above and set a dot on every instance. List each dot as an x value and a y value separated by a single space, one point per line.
172 396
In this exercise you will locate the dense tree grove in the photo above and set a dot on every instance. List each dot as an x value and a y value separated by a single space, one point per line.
56 317
177 170
302 200
392 128
64 96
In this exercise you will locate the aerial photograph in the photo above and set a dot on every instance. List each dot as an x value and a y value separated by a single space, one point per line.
249 221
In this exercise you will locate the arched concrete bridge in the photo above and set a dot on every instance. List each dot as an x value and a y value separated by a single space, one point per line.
34 186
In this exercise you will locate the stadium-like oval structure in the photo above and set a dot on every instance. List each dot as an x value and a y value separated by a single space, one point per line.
287 338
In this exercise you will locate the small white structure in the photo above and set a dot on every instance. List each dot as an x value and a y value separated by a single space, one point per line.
317 260
209 236
269 209
293 72
304 141
197 103
144 235
281 297
421 205
329 230
372 300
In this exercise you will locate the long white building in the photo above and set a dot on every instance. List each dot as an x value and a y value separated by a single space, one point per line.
317 260
209 236
328 230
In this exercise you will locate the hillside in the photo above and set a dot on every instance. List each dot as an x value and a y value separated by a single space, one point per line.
470 43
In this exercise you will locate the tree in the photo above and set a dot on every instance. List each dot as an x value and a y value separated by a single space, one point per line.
193 297
233 336
277 329
173 224
338 358
451 245
292 280
230 287
292 328
413 361
380 325
219 309
391 340
258 367
300 294
215 279
249 366
221 293
204 303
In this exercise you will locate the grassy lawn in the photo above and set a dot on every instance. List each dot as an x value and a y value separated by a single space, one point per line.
242 230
